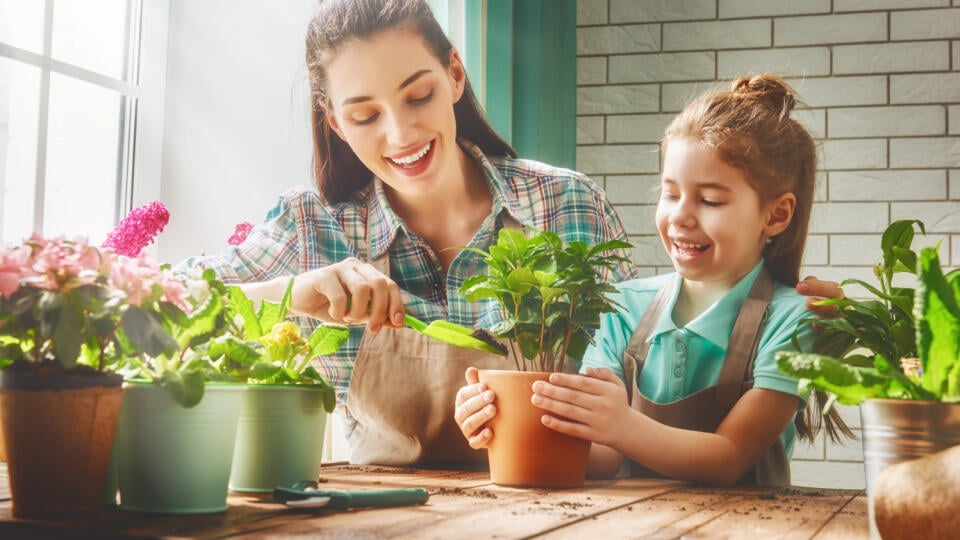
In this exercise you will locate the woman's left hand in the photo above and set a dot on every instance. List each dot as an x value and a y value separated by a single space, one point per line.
592 406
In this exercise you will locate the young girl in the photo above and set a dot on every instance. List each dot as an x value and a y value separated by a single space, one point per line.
682 383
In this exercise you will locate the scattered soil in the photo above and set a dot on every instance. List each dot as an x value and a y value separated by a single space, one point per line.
476 493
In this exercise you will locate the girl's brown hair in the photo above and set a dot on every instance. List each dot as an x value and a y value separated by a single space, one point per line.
750 127
339 173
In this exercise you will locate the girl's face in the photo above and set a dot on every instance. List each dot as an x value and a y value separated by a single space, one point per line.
391 100
710 219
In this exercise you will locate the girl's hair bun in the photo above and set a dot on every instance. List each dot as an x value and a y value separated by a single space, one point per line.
766 89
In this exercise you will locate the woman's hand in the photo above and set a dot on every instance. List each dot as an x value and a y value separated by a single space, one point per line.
592 406
473 409
350 291
819 290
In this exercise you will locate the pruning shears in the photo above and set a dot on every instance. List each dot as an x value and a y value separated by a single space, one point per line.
305 494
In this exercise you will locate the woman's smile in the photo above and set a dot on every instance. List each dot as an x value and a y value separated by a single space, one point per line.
413 163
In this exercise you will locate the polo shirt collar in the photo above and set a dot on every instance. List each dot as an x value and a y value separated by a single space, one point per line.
384 223
716 322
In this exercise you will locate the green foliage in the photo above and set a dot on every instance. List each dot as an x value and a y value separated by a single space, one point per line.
551 296
226 339
863 343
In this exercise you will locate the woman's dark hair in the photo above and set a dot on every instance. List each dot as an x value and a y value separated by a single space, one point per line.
339 173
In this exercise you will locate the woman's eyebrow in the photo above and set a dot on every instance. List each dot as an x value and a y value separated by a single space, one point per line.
406 82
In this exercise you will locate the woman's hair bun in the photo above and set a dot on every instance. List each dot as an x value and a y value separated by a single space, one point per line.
772 91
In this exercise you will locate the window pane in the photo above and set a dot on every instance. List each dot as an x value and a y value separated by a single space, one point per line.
19 98
83 143
91 34
21 24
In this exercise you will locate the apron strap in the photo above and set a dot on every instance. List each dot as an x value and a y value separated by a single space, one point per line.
742 350
636 352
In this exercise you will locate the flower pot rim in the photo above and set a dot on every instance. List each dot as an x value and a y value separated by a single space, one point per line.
498 371
286 385
908 401
58 380
209 384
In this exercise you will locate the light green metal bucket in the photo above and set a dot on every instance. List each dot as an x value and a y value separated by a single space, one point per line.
174 460
279 438
895 431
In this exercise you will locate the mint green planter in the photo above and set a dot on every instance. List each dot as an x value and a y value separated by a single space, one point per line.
279 439
174 460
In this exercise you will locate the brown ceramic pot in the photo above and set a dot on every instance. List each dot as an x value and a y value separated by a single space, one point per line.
58 442
523 452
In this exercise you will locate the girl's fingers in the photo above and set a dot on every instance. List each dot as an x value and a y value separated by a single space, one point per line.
567 427
481 440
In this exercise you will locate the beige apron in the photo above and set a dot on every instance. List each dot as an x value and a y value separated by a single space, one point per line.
402 395
706 409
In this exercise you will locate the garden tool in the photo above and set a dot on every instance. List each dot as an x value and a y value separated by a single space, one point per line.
457 335
306 495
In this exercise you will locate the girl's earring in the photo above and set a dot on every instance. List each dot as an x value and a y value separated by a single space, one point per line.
769 240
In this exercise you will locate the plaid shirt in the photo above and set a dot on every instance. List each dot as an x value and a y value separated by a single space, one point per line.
301 233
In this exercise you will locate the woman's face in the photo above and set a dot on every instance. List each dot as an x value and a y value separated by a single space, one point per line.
391 100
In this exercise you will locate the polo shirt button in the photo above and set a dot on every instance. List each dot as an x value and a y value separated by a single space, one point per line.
681 346
678 372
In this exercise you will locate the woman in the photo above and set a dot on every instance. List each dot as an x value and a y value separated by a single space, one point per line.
407 170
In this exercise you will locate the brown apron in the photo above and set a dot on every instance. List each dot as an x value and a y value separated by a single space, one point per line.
402 394
705 410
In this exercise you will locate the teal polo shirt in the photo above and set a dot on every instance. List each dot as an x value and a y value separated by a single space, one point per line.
682 361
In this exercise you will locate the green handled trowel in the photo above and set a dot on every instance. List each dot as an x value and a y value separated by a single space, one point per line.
457 335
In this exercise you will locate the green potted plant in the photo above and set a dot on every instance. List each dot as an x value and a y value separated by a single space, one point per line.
551 297
285 407
182 405
896 354
70 314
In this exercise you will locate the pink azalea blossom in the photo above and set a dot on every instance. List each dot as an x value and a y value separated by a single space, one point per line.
138 229
240 233
141 280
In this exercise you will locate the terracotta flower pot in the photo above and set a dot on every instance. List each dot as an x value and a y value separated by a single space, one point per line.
523 452
58 441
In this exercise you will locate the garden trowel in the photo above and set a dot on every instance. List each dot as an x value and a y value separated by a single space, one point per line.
306 495
457 335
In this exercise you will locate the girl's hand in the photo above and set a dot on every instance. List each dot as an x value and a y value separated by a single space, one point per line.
819 290
350 291
473 409
592 406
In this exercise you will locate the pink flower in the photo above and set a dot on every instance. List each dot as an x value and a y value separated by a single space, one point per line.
141 280
240 233
138 229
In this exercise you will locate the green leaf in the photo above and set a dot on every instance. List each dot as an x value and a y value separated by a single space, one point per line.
147 333
849 384
185 388
327 339
938 324
243 306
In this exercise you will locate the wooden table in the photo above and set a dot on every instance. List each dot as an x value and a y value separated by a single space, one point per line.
466 505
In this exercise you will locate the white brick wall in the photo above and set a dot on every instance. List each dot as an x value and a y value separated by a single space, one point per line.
880 80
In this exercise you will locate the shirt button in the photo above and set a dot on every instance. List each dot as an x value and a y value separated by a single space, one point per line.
678 372
681 346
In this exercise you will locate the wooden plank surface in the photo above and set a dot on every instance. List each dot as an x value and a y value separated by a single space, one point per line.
466 504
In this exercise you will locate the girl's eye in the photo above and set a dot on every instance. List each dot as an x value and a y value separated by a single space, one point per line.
422 100
708 202
365 121
667 196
